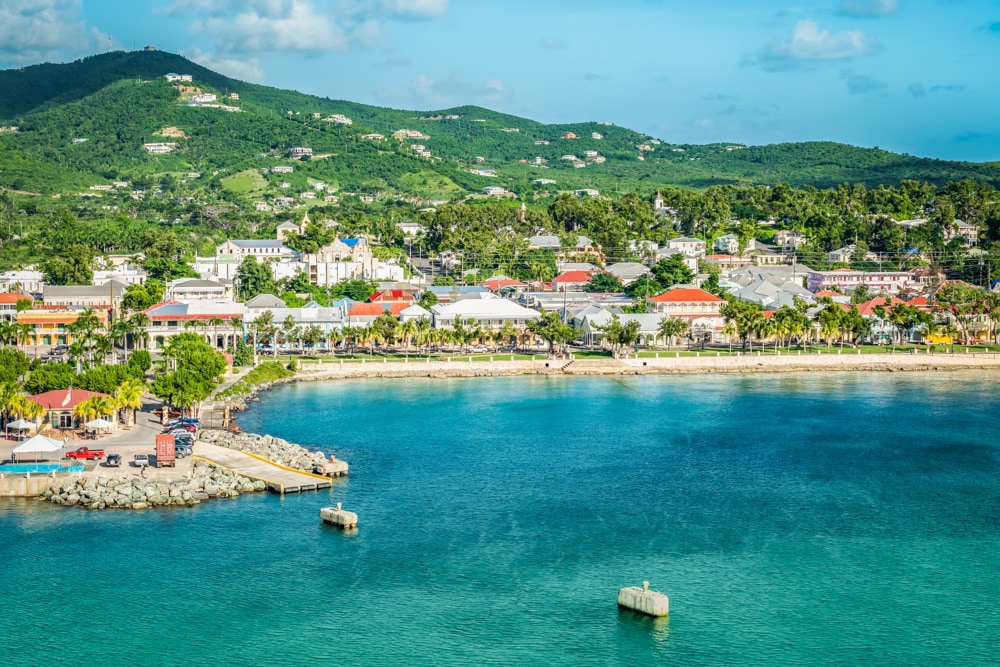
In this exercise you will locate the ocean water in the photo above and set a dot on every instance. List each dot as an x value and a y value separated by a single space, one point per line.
834 519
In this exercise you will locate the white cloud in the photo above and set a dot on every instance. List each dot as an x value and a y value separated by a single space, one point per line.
414 9
265 27
268 26
868 8
35 30
809 45
238 68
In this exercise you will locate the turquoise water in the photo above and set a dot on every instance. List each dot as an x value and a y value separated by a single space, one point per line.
838 519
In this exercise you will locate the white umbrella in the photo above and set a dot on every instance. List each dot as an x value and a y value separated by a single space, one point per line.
20 425
37 444
100 422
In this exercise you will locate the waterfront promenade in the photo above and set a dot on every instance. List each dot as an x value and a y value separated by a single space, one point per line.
834 359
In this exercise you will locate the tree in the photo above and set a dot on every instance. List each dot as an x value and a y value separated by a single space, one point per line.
550 328
603 282
427 300
961 301
620 334
671 327
13 364
70 267
254 278
141 360
197 367
671 271
141 297
642 287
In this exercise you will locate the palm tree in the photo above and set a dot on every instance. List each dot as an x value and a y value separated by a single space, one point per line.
237 323
8 391
137 325
730 330
118 334
215 322
103 345
407 330
129 395
22 406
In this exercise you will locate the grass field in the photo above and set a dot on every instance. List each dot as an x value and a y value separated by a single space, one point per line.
249 182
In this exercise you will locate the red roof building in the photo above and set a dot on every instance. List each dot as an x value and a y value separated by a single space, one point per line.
571 281
497 284
694 304
362 314
391 296
867 309
59 406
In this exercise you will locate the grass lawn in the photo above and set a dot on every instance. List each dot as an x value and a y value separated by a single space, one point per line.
246 182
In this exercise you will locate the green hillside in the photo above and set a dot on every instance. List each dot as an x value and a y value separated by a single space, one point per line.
118 101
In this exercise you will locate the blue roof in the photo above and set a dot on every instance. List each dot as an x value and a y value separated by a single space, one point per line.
350 243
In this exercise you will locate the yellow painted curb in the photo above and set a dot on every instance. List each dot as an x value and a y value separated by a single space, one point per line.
278 465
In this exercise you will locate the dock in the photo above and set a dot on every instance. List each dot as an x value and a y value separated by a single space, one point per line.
341 518
278 479
644 601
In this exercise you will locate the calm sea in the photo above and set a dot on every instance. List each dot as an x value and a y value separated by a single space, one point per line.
841 519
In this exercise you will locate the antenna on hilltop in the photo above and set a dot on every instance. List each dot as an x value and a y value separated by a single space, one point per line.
109 43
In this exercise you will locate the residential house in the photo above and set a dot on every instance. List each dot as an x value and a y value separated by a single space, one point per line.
8 305
503 284
299 152
126 274
289 229
327 320
257 305
451 293
586 192
28 281
392 296
789 240
689 246
414 313
728 244
284 169
627 272
363 314
592 332
892 282
729 262
571 281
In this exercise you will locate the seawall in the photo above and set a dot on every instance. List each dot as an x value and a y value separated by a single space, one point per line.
668 362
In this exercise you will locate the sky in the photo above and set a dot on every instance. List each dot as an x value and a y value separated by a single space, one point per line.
914 76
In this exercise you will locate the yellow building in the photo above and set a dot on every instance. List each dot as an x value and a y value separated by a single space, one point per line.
50 326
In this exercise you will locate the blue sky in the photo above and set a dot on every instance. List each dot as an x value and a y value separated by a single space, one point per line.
920 77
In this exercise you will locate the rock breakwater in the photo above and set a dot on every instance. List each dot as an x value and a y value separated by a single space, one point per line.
273 449
206 481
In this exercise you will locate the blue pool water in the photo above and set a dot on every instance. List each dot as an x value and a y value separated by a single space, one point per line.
45 468
840 519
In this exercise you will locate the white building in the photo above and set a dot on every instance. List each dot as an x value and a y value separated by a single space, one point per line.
127 274
28 281
299 152
197 289
262 249
486 309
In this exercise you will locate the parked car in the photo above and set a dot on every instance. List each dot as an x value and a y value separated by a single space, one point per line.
478 349
190 428
86 453
114 460
181 450
142 460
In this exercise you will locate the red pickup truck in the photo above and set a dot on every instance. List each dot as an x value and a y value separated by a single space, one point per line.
86 453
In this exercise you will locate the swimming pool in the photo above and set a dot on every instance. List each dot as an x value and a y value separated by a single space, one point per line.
38 468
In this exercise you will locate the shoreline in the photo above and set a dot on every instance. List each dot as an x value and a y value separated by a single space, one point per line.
665 365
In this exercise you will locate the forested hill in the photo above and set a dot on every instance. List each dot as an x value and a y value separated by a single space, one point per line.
84 123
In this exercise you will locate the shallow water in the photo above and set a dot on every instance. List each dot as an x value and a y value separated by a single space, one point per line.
793 519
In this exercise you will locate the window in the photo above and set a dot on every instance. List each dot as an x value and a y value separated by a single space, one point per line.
65 420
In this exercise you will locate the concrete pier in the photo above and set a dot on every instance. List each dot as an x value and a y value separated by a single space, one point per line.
278 479
644 601
335 516
332 468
